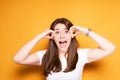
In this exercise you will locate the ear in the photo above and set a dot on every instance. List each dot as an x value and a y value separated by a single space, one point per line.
73 35
72 32
52 35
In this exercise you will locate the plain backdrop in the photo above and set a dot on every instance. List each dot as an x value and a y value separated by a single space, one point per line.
22 20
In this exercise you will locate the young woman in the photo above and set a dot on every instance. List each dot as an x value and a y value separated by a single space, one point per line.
63 59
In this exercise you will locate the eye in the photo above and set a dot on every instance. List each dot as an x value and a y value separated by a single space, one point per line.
57 32
66 31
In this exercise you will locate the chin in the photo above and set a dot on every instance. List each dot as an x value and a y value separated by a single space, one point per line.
63 49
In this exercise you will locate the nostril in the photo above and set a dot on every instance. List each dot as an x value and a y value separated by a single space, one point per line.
61 36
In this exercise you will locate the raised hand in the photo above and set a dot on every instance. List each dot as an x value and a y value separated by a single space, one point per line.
47 34
77 30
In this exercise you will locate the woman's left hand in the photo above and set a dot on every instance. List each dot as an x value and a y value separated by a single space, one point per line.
77 30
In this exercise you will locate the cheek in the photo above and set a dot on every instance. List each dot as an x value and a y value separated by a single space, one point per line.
55 39
68 37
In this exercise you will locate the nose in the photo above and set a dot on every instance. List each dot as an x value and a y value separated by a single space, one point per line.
62 35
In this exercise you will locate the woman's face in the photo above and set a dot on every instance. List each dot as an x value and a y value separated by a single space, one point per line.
62 37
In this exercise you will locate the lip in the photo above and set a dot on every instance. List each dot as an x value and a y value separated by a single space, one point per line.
62 41
63 44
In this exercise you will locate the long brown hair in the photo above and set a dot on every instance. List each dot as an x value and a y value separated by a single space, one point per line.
51 61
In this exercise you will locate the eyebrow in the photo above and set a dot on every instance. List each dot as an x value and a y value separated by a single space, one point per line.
56 29
59 29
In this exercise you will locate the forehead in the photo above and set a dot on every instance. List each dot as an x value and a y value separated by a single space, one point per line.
60 26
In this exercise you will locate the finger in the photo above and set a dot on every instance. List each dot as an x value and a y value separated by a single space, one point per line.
72 32
50 34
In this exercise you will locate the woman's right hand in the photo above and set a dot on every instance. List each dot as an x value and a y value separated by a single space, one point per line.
23 56
47 34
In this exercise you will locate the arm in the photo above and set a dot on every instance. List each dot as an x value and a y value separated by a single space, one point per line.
105 46
23 56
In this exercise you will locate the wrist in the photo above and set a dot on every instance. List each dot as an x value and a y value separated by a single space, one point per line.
88 32
39 36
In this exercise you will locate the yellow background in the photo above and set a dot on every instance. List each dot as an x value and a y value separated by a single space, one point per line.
21 20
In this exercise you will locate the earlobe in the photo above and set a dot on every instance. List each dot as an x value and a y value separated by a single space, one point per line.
52 36
73 35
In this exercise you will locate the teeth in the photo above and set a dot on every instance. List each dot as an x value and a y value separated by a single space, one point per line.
63 42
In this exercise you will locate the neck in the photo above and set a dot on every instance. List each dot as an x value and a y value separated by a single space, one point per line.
62 53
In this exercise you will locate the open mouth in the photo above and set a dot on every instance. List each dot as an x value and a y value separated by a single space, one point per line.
62 44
